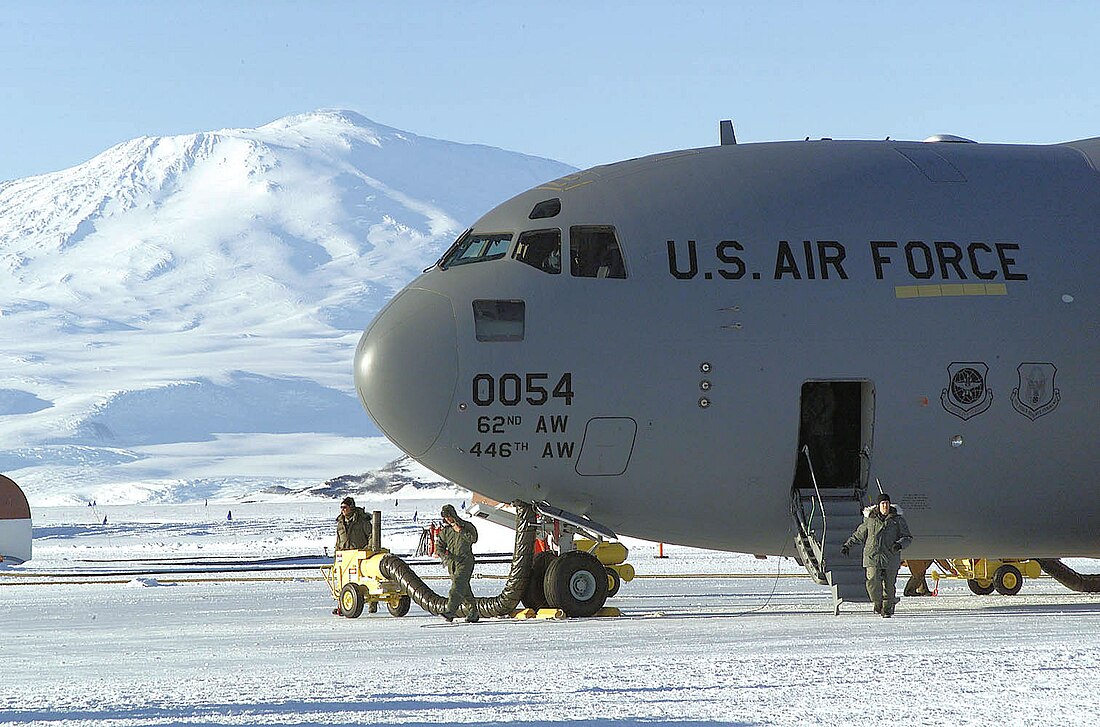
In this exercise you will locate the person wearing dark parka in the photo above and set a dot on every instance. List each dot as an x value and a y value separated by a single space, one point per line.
454 544
353 527
884 534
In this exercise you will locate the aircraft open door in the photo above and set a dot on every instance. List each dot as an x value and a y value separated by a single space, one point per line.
15 523
836 428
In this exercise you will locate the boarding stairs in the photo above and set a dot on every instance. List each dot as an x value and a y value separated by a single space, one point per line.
824 518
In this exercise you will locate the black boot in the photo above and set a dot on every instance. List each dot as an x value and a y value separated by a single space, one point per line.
913 586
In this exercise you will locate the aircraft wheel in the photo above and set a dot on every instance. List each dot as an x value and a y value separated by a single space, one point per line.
980 587
535 595
351 601
614 582
1008 580
576 582
401 607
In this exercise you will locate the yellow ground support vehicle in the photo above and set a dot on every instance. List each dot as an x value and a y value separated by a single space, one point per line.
985 575
355 582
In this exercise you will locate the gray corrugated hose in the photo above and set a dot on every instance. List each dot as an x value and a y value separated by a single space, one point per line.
398 570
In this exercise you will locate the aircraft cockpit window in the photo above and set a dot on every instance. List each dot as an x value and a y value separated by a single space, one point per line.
594 253
498 320
545 208
454 246
476 248
540 249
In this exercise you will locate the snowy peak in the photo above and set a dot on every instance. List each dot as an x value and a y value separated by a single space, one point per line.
276 205
250 166
329 125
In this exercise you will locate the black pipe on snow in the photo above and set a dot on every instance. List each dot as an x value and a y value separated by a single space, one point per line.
398 570
1071 579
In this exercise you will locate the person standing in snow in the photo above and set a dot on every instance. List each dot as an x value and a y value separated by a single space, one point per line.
454 544
884 533
917 585
353 527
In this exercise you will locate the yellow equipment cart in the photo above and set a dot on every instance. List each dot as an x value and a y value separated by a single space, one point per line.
355 582
985 575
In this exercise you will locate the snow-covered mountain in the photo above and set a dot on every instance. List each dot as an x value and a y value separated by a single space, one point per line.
178 314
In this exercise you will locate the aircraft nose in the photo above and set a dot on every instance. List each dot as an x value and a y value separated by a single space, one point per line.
406 368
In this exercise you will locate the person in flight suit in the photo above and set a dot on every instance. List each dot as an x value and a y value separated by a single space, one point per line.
454 544
884 534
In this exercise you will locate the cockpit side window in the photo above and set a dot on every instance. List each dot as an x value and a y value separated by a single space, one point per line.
540 249
475 248
594 252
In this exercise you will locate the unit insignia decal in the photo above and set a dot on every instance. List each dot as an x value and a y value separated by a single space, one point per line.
1036 395
966 394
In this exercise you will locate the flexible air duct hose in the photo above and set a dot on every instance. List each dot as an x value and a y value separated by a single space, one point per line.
398 570
1071 579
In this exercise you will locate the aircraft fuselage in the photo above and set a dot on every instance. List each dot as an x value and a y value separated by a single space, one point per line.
924 314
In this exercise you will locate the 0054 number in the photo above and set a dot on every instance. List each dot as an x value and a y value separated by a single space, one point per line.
511 389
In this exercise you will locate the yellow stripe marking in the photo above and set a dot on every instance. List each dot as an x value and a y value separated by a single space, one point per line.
564 187
568 182
949 290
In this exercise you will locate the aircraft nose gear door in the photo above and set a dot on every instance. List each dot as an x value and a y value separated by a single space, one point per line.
831 481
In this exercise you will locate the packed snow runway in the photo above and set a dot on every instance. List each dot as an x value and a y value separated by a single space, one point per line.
710 649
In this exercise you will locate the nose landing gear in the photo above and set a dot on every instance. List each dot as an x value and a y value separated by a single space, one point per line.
571 575
576 582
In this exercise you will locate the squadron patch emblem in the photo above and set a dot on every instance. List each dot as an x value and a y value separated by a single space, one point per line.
966 394
1036 395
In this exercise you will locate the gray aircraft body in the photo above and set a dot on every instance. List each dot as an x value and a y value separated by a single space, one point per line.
681 346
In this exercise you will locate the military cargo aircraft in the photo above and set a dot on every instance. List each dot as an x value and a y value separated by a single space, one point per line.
727 347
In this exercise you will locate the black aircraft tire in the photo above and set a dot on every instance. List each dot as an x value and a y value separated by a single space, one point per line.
576 582
978 589
1008 580
614 582
535 594
403 605
351 601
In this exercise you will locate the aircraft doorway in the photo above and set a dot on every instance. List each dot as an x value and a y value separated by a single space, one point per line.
836 425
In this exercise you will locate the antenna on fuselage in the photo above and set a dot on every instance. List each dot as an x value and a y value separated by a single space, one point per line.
725 132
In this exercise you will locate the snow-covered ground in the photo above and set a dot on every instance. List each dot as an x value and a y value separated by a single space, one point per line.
709 649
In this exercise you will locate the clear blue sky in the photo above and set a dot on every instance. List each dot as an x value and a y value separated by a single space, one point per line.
581 82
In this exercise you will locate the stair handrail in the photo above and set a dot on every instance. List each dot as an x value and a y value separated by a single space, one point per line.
819 501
